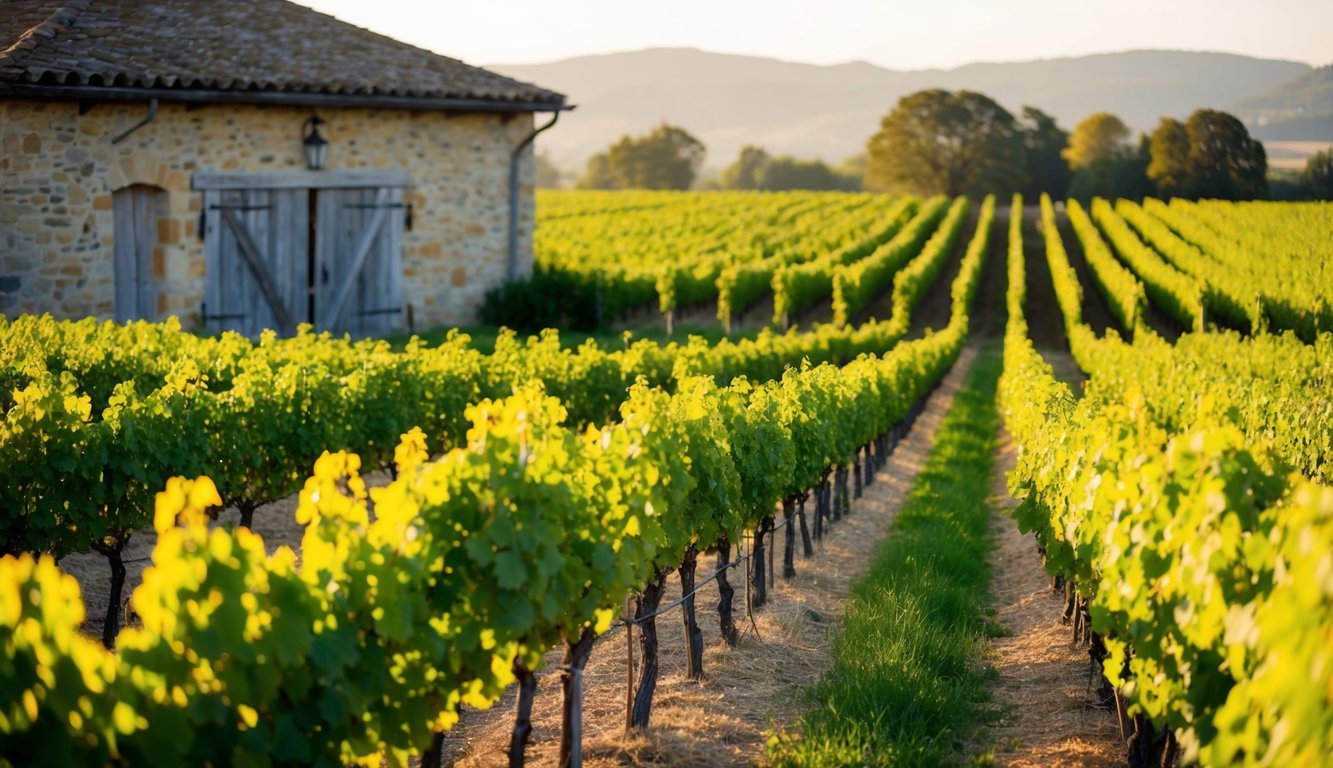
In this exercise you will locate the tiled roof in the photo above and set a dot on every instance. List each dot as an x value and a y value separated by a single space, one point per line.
266 47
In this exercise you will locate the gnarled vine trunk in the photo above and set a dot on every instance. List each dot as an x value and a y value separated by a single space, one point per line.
527 691
758 575
247 510
645 604
789 541
725 593
806 546
113 554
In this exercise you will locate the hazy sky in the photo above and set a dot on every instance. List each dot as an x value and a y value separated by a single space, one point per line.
915 34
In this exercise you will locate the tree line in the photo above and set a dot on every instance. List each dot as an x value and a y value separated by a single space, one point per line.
963 142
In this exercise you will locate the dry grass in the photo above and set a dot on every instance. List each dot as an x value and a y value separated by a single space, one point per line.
723 719
1046 713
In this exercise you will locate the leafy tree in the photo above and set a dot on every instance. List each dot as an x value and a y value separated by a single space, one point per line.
548 175
1210 155
756 169
1044 140
1100 135
745 172
1224 161
1169 163
598 173
1120 174
935 141
784 173
1317 178
667 158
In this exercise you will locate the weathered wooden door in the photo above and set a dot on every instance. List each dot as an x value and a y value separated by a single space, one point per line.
134 210
256 243
358 257
289 247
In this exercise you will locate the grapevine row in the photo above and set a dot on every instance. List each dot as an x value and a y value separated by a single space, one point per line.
1192 543
854 285
120 409
1068 288
1227 294
1281 251
1175 293
798 285
529 535
1124 293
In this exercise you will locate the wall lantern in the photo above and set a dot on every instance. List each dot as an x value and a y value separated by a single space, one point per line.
316 146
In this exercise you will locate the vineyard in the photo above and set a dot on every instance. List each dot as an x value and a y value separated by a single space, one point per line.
469 519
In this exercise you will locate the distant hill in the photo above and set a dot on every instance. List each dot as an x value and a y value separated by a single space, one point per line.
829 111
1300 109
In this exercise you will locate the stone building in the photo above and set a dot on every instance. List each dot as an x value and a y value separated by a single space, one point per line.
155 160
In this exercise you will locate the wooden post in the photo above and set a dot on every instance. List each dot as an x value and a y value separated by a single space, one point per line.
571 715
789 541
694 637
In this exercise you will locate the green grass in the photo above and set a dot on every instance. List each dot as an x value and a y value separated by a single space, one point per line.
907 684
483 336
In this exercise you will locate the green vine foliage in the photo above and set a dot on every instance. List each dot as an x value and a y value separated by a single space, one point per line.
530 526
1163 500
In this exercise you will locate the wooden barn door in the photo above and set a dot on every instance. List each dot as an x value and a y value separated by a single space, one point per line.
358 260
256 243
289 247
134 210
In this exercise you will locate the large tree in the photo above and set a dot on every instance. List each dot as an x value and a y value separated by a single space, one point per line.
1169 159
1317 178
1210 155
935 141
1100 136
747 170
1045 141
1224 161
667 158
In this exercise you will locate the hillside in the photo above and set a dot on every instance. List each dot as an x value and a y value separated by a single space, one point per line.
1299 109
829 111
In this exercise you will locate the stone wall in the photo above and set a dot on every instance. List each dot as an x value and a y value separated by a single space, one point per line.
58 170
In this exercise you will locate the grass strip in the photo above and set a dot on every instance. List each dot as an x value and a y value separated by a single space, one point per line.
906 688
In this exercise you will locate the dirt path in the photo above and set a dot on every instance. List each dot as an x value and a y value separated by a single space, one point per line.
1046 323
936 307
723 719
1046 712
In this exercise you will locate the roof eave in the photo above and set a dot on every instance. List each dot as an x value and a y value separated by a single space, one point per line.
283 98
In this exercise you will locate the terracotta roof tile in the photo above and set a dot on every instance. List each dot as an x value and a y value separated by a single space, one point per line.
230 45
